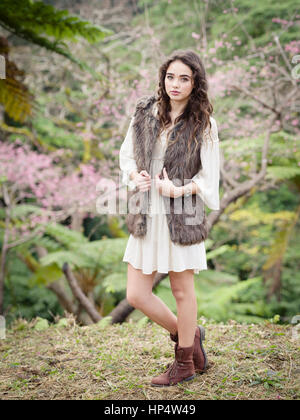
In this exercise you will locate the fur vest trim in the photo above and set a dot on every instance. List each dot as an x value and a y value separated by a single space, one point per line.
186 216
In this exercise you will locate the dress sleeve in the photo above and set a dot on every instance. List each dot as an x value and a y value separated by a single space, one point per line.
126 158
207 179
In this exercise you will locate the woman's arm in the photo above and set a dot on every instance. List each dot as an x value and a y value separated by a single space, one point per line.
206 181
126 159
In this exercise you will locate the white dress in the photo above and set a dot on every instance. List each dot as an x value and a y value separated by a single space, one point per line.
156 251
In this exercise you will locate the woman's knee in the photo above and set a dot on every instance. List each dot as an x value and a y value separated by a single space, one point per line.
132 299
139 287
180 294
182 285
136 299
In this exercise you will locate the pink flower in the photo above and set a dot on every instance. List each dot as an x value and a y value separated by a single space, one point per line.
196 36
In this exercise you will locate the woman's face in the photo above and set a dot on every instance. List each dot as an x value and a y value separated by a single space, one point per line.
179 78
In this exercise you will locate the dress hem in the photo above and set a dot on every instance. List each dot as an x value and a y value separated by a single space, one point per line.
166 272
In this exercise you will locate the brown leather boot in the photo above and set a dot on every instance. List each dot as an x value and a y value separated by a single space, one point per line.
181 370
199 355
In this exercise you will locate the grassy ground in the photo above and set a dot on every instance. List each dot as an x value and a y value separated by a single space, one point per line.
118 361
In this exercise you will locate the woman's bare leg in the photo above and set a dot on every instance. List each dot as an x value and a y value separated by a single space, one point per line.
140 296
182 284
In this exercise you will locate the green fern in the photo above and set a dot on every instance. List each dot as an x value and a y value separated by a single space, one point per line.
115 282
29 20
48 243
21 211
45 274
65 235
108 251
226 302
74 259
282 172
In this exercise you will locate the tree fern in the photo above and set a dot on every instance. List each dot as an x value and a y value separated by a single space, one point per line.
74 259
282 172
45 274
102 256
28 20
277 252
65 235
223 303
14 94
15 98
115 282
21 211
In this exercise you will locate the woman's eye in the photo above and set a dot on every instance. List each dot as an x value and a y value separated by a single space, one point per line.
184 79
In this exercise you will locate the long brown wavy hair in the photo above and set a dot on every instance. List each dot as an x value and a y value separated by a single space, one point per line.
196 114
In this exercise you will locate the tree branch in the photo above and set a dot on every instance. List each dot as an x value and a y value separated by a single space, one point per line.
80 296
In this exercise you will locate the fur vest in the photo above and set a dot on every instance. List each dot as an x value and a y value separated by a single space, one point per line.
186 216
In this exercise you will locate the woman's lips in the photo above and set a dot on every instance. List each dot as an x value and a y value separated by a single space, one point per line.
174 92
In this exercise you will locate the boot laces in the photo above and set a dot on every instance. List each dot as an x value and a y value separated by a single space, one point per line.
173 369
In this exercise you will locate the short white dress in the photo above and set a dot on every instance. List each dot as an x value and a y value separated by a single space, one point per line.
155 251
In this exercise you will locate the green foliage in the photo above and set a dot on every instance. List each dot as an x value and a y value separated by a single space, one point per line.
66 245
243 301
283 172
45 274
253 20
104 322
62 323
51 134
221 297
256 18
31 20
22 299
21 211
64 235
115 282
16 99
142 322
41 324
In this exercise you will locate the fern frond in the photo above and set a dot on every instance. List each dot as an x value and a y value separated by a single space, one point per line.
282 172
73 258
103 254
114 282
28 20
46 274
16 99
108 251
21 210
65 235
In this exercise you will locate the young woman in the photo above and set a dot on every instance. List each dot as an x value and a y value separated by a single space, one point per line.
172 139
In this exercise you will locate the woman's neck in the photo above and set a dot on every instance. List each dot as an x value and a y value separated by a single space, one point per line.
177 108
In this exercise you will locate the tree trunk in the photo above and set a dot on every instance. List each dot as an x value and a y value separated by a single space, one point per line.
2 275
80 296
62 297
4 248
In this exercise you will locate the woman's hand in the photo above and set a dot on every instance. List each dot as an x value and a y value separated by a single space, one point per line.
165 186
142 180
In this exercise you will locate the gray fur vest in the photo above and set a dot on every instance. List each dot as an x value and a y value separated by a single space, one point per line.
185 215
